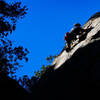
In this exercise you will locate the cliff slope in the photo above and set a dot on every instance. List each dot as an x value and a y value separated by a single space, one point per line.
75 75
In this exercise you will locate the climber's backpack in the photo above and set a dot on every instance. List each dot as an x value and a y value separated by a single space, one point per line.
67 36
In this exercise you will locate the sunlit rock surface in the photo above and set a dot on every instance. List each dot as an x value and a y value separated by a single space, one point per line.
95 23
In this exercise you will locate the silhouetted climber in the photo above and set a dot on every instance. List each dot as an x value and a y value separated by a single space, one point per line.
77 30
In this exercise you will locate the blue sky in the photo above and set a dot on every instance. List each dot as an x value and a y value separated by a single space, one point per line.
42 30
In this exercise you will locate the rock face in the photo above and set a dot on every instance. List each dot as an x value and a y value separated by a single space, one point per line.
64 56
75 75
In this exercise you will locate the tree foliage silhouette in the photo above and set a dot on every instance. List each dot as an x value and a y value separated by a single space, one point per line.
10 55
44 68
30 83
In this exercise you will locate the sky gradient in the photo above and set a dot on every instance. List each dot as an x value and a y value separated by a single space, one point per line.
42 30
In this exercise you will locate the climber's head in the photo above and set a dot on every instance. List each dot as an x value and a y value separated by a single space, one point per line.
77 24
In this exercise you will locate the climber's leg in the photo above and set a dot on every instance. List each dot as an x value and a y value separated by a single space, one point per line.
69 44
